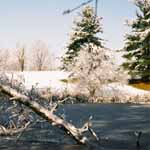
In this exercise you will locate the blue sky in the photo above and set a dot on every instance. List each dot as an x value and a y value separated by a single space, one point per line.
26 21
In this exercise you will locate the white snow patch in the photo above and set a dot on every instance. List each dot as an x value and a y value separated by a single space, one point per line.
52 80
40 79
124 89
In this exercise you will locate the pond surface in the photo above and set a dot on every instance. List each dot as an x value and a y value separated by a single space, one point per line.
115 124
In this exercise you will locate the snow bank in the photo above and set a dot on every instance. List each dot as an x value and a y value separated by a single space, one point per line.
40 79
52 79
114 88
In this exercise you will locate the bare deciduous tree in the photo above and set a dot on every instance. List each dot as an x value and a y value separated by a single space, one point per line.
4 56
21 58
40 56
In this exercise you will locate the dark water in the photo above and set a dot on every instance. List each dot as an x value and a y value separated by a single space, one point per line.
115 124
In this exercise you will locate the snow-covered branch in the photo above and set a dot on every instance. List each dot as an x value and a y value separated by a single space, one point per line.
76 133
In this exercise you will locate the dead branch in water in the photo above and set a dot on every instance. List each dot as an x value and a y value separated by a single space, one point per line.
11 131
76 133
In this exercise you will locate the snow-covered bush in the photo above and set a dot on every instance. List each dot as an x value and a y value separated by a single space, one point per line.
95 67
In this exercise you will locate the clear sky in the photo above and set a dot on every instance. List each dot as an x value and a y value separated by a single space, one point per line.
30 20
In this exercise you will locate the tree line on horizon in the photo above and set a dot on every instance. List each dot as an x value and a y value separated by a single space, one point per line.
22 58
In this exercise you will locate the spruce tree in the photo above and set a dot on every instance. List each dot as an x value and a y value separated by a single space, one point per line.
85 31
138 43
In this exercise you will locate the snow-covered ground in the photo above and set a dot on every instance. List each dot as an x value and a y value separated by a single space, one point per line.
124 89
53 80
40 79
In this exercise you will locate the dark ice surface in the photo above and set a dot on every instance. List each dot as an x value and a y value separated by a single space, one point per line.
115 124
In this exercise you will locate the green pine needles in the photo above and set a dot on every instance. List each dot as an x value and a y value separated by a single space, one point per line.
85 31
138 43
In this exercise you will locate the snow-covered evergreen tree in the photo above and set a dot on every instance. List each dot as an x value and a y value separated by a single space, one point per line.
85 31
138 43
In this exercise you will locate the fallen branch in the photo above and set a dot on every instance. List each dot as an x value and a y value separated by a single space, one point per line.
53 109
76 133
12 131
94 134
88 126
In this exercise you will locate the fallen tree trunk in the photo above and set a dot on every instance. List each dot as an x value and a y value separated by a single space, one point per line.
76 133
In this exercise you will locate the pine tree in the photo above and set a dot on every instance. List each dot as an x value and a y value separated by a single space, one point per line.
138 43
84 32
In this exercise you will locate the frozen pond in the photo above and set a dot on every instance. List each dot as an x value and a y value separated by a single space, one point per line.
115 124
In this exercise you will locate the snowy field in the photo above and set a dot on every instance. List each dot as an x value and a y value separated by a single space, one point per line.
53 80
40 79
